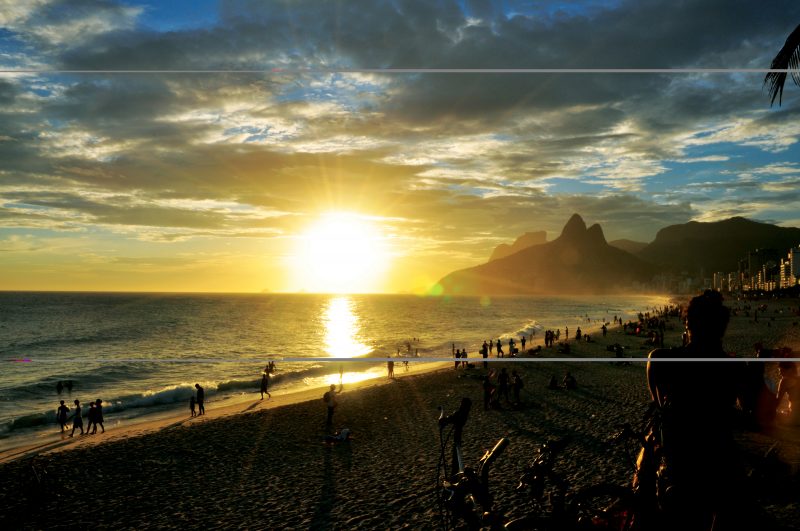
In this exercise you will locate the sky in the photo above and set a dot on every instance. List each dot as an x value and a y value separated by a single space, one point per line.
291 172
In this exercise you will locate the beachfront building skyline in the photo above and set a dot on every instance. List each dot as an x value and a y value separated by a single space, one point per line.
762 270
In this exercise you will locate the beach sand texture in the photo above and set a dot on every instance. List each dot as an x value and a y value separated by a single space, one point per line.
268 468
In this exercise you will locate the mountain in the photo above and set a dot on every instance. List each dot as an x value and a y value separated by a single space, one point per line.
717 246
579 261
628 245
528 239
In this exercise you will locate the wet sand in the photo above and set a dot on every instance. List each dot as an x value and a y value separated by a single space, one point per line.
267 467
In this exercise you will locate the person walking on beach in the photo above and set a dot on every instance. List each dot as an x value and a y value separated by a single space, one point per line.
265 384
390 368
707 477
90 418
61 415
191 406
523 340
499 349
330 402
77 420
201 399
98 416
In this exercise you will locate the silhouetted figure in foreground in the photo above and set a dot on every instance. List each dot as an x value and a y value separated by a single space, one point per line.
553 383
696 402
77 420
191 406
201 399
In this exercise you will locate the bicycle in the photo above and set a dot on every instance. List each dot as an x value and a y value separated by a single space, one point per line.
465 496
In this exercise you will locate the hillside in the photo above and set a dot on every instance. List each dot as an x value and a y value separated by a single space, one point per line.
715 246
579 261
528 239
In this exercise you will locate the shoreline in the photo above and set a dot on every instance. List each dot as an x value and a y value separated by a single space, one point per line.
267 466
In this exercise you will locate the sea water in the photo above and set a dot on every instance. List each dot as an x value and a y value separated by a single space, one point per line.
143 353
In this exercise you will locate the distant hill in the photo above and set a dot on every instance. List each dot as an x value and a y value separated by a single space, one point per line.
528 239
628 245
715 246
579 261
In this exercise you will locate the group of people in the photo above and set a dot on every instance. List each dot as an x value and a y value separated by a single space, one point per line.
94 417
496 386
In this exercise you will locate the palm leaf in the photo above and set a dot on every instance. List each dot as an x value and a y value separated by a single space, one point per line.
787 59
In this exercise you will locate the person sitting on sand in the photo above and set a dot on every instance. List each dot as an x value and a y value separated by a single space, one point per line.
569 381
553 384
697 405
61 415
789 386
77 420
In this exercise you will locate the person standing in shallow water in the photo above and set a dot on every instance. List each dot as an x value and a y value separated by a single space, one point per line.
697 402
201 399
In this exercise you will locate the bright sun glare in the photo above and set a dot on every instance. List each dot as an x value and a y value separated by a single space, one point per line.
341 253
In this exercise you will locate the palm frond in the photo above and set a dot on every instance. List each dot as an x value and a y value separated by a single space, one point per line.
787 58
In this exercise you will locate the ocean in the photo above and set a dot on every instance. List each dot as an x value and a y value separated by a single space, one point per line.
143 353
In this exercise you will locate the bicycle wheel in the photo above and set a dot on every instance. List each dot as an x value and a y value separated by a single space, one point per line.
602 507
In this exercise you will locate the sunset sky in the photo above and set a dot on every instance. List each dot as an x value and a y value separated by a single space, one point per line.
372 182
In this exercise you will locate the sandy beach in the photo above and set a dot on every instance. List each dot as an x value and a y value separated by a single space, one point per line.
262 464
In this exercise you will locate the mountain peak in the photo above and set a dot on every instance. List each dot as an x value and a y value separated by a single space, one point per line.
575 228
595 233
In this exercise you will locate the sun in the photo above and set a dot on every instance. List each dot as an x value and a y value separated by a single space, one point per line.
341 252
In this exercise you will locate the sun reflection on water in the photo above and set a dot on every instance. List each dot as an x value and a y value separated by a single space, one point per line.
342 330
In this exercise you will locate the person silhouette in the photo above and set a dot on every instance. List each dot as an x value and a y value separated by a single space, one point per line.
77 420
98 416
91 417
265 384
696 401
330 402
201 399
61 415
